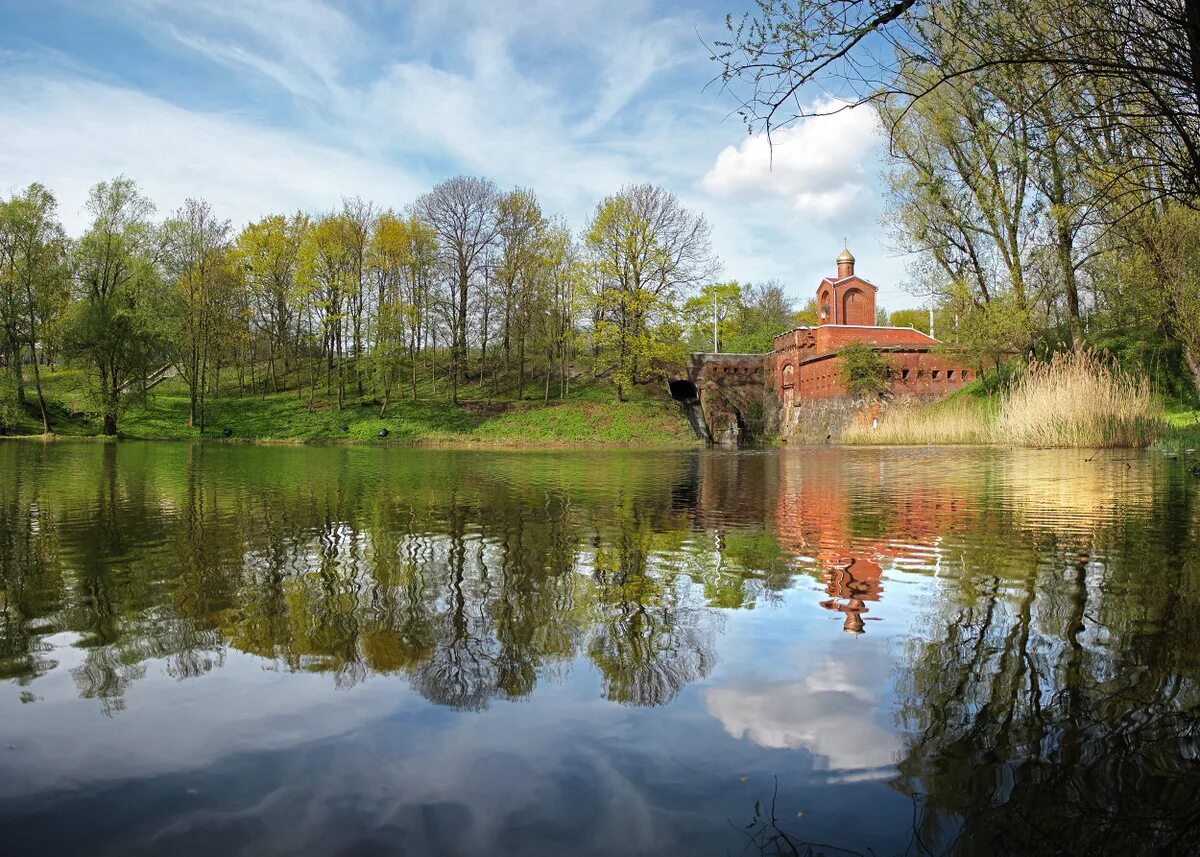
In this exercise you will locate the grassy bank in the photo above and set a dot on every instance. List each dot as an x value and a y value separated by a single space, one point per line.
1076 400
1183 430
589 416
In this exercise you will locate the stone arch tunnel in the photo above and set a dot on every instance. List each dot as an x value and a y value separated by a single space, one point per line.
718 391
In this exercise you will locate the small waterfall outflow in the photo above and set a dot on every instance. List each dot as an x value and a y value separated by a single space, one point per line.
685 392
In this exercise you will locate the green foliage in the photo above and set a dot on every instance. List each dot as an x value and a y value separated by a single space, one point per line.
11 416
719 303
995 329
864 370
749 317
915 318
808 317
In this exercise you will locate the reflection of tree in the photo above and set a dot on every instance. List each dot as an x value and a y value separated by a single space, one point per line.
1056 708
650 640
766 835
31 583
472 577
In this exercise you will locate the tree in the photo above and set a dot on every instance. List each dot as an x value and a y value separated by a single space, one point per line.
404 257
197 262
645 251
33 277
462 212
1161 265
714 313
328 266
114 326
269 253
994 331
1143 60
918 319
960 181
359 220
519 270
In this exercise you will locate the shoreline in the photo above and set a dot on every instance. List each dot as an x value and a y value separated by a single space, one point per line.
417 443
514 445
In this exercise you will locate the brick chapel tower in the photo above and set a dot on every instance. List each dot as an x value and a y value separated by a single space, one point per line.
846 298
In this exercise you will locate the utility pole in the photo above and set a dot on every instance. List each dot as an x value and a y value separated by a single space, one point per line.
716 343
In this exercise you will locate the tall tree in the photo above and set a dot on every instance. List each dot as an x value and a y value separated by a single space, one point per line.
197 262
462 211
269 253
34 274
114 325
645 252
329 266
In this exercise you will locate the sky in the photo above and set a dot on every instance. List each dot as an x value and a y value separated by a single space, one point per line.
263 106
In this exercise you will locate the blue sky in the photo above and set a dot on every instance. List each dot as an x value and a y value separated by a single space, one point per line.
264 106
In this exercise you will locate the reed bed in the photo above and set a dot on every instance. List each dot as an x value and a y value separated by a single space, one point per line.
1074 400
961 420
1079 400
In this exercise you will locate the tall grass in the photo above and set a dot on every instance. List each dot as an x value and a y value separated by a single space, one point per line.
960 420
1079 400
1074 400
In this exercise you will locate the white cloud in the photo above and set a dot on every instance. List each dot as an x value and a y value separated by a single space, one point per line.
831 713
69 134
819 163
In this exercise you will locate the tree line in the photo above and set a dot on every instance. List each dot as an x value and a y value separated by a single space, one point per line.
466 286
1044 158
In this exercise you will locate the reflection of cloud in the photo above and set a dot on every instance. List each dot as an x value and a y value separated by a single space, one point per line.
245 708
828 714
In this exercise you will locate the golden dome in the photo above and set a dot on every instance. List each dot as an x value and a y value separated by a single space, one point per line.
845 256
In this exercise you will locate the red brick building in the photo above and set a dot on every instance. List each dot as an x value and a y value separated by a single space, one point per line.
805 366
805 363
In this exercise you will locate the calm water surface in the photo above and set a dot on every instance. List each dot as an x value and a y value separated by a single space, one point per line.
254 650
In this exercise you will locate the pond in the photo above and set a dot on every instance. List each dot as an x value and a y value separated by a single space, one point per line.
361 650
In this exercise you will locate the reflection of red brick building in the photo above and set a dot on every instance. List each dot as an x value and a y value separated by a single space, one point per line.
814 519
852 582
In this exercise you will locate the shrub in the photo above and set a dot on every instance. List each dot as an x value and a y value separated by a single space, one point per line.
864 370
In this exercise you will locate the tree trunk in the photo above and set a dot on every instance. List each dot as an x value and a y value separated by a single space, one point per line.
1192 357
37 383
108 394
18 372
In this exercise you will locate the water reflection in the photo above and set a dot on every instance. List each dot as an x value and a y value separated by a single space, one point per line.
1027 679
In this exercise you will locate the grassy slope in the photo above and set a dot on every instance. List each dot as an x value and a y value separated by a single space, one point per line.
588 416
1184 431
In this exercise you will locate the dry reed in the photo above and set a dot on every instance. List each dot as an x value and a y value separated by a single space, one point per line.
1075 400
1079 400
960 420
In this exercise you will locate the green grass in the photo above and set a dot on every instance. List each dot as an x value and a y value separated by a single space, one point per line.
1183 429
590 415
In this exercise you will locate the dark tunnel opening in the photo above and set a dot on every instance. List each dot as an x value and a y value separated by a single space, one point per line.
683 390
